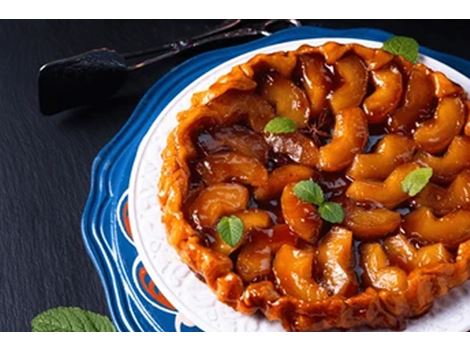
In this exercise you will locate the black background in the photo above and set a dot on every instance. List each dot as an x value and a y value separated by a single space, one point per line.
45 162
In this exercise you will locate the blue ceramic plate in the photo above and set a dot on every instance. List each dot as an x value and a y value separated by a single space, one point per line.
134 301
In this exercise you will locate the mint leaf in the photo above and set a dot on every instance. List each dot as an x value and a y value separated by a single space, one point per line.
71 319
331 212
416 180
403 46
230 229
309 191
280 125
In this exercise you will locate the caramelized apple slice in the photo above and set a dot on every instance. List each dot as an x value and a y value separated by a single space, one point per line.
229 166
252 219
377 270
446 167
403 254
216 201
280 234
293 271
296 146
444 200
333 51
369 224
290 101
400 252
387 94
280 177
391 151
254 259
435 135
387 193
374 58
336 262
316 81
418 98
443 86
431 255
235 138
353 74
449 230
405 66
235 104
349 138
302 218
254 262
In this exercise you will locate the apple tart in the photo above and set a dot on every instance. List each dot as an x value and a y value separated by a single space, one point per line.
326 187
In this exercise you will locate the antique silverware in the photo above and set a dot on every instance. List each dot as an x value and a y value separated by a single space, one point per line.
98 74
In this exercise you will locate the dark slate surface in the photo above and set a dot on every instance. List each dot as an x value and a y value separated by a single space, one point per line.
45 162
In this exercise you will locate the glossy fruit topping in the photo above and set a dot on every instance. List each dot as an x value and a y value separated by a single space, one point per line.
232 166
369 224
435 135
392 151
353 75
289 100
316 81
336 262
388 193
302 217
216 201
387 95
348 139
377 269
293 269
282 176
418 99
450 229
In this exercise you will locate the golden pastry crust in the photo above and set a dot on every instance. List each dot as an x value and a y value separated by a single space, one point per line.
373 305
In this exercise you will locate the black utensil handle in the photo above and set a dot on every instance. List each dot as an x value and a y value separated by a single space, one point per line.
80 80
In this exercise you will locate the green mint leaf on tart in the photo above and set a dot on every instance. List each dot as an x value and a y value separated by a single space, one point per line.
331 212
230 229
309 191
71 319
403 46
416 180
280 125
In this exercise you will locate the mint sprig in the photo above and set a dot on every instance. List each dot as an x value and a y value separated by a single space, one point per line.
332 212
280 125
71 319
230 229
403 46
310 192
416 180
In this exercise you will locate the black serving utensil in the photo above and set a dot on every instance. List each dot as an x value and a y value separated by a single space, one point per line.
98 74
80 80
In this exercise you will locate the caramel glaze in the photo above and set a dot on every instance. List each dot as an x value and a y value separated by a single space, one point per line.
334 184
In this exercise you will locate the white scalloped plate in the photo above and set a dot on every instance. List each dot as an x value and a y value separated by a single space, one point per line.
189 295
